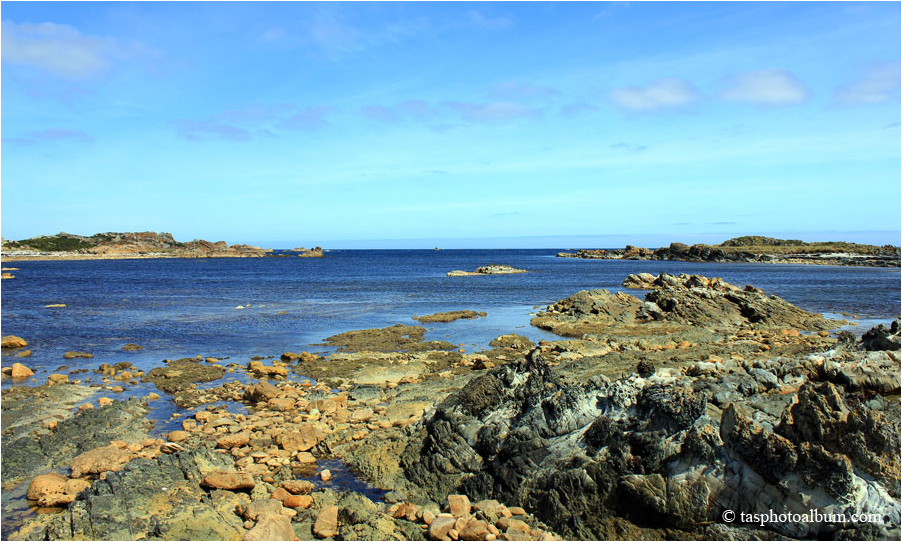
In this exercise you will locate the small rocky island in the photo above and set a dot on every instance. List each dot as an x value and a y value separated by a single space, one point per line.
121 245
315 252
491 269
755 248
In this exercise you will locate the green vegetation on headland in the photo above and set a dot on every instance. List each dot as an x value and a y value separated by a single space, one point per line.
754 248
757 244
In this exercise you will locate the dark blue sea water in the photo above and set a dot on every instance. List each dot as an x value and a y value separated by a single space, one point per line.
184 307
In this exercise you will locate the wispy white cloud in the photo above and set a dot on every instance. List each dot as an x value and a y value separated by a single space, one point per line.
309 119
621 146
418 109
879 84
380 113
200 130
477 112
492 111
514 90
577 109
335 32
255 121
670 93
766 87
476 18
49 135
62 50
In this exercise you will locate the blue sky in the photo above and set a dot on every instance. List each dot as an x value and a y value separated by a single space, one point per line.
452 124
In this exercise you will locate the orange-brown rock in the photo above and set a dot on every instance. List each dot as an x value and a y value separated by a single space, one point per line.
232 481
178 436
474 530
11 341
235 440
298 501
73 355
20 371
440 527
458 505
98 460
326 524
57 379
298 487
271 527
46 484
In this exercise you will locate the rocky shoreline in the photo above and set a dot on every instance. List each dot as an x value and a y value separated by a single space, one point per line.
648 419
757 250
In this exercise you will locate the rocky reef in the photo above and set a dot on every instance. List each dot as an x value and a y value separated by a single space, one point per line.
491 269
755 249
115 245
685 300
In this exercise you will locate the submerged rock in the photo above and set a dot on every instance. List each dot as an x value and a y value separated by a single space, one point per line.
388 339
449 316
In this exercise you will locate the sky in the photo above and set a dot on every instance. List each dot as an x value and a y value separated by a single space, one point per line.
357 125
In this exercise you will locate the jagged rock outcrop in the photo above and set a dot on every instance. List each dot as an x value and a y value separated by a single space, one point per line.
684 299
654 451
880 338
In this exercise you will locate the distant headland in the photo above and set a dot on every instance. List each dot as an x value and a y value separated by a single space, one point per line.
754 248
121 245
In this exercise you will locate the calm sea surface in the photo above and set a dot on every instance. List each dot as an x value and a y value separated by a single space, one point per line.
177 308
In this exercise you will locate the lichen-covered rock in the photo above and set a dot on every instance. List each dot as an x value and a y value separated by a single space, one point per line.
182 373
131 504
87 430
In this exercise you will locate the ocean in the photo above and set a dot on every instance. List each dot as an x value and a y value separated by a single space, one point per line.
185 307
